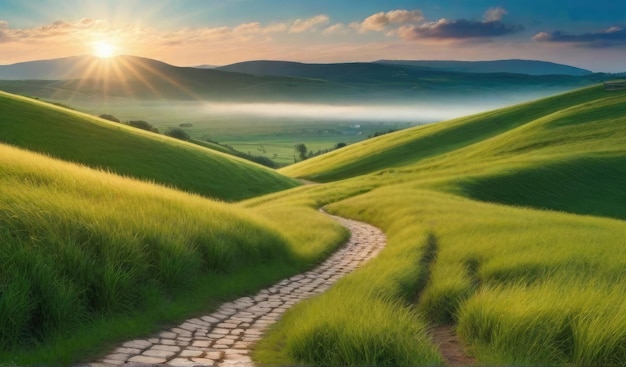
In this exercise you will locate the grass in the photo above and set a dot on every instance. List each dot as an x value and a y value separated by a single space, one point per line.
80 138
412 146
523 282
537 283
84 250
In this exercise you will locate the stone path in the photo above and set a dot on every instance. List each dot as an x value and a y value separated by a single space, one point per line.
224 337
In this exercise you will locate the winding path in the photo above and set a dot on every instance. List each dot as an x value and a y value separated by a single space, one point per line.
224 337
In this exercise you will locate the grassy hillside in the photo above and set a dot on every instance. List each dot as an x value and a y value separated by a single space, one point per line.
88 257
520 285
410 146
94 142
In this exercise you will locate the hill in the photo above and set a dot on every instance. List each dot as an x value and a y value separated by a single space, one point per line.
528 67
88 140
507 225
409 147
87 78
89 257
392 71
135 77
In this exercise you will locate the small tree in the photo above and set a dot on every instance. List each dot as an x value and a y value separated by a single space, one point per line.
109 117
178 133
340 145
140 124
302 150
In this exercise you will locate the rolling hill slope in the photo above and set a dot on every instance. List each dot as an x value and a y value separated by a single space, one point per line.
88 257
532 127
506 226
94 142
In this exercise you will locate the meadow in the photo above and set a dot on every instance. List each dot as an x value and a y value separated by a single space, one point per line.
525 286
507 225
89 257
85 139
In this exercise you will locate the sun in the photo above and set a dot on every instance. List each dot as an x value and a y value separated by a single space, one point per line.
103 49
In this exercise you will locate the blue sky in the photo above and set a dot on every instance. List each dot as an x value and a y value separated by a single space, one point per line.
584 33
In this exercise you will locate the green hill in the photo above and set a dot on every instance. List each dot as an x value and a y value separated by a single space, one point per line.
94 142
508 226
88 257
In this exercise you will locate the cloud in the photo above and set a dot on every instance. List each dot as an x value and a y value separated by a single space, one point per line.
490 26
303 25
380 21
338 28
609 37
494 14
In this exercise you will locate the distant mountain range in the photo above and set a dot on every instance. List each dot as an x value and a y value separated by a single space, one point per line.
141 78
295 69
528 67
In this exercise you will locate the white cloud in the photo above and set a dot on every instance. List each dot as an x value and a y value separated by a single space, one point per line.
494 14
338 28
380 21
303 25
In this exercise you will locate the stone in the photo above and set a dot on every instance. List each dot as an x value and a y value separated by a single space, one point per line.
169 348
168 335
204 361
127 350
201 343
113 362
181 362
158 353
191 353
117 357
147 359
137 344
210 319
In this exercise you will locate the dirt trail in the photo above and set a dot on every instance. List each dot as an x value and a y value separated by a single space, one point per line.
450 346
224 338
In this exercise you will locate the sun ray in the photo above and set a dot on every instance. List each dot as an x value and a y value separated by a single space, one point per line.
104 49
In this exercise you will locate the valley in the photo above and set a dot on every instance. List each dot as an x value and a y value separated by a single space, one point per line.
496 188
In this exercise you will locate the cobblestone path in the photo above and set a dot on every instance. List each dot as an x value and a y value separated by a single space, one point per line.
224 337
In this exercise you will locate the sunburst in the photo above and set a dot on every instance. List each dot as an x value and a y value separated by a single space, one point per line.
103 49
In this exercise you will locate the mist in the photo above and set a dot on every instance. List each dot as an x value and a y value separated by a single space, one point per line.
415 112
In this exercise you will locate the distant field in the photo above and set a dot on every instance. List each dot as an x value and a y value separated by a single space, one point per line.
271 137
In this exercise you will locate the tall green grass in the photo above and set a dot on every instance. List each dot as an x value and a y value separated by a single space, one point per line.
365 319
590 186
80 245
81 138
521 285
408 147
507 275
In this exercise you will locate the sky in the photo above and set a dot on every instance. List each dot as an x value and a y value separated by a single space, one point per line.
590 34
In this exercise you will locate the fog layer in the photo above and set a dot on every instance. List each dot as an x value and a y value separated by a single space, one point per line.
391 113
